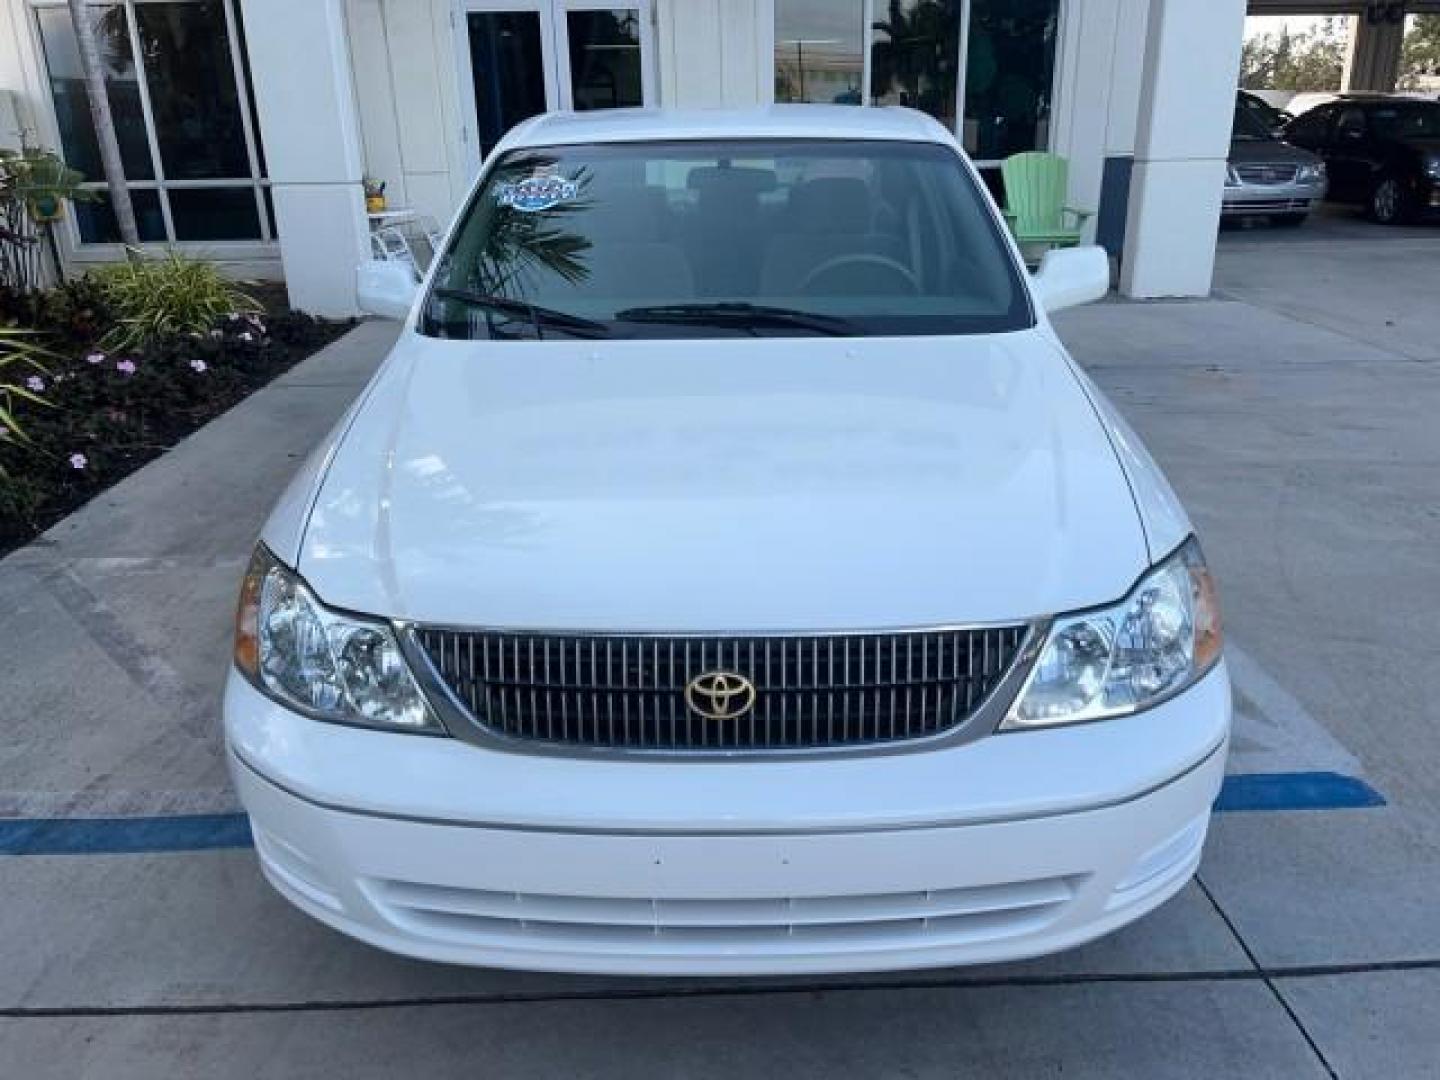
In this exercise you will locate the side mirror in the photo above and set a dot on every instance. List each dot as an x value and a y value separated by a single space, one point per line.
1071 276
386 289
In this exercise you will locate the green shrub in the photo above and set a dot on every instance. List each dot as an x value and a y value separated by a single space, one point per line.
21 379
164 297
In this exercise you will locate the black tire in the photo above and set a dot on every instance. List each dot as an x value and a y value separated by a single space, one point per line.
1289 221
1389 202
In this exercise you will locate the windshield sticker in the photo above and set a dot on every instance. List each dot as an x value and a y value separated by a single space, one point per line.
536 193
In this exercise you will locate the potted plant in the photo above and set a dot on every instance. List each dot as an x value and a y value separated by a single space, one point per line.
34 187
374 195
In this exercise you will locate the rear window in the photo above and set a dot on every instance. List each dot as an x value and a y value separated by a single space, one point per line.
702 239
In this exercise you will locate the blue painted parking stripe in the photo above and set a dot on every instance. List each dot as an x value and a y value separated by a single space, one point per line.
209 832
123 836
1249 792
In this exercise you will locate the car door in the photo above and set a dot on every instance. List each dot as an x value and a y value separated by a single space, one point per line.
1311 131
1351 158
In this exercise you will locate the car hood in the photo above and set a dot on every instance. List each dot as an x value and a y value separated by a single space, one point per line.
1269 151
736 484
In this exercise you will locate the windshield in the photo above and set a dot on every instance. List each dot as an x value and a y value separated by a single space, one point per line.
708 239
1418 121
1250 124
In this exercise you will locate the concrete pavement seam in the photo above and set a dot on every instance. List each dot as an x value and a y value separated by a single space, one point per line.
1222 975
1400 355
146 667
1269 979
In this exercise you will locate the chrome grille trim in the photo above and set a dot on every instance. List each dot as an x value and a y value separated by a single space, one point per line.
622 694
1261 174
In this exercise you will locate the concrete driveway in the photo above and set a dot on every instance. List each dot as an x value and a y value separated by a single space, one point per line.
1296 412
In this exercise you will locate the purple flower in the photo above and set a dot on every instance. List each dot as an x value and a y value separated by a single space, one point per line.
36 384
78 461
95 358
125 367
198 366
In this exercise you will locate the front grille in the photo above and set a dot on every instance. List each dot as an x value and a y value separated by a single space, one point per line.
1266 174
811 692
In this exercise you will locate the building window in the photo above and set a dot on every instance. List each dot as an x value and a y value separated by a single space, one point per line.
915 56
1009 76
819 51
183 115
990 61
605 58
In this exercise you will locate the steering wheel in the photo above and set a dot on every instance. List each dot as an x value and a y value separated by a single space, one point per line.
884 262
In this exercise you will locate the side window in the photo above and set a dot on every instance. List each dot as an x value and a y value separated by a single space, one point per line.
1387 123
1351 124
1310 129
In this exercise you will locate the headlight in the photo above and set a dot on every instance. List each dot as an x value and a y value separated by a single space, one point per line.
1117 660
1232 178
1310 174
1432 168
323 663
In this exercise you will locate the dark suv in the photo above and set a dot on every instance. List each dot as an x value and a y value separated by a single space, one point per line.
1381 152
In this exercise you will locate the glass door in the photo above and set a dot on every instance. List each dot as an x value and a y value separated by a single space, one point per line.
608 59
522 57
508 49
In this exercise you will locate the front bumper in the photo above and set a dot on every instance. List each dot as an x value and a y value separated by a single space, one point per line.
1010 847
1247 200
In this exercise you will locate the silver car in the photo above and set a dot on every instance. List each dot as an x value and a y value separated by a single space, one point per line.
1266 177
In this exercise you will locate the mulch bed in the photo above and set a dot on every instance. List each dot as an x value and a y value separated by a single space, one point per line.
109 415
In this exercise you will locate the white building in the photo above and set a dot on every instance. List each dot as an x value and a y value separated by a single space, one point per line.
247 125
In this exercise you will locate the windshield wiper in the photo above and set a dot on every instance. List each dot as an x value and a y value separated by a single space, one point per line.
539 316
741 315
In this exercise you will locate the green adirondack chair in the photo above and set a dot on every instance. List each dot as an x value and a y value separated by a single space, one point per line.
1035 187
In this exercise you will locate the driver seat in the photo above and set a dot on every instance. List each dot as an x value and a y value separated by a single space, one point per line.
826 219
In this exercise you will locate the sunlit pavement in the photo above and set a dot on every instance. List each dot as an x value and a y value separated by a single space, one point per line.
1296 413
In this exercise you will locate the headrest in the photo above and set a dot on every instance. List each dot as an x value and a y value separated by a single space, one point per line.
635 214
729 180
831 204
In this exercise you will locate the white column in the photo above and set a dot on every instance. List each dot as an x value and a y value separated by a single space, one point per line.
1187 104
12 83
1086 61
300 64
1377 40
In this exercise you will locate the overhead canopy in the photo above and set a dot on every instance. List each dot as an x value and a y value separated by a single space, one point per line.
1334 7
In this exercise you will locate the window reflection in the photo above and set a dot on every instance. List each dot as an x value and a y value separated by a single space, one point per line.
506 59
1009 76
188 71
72 104
915 60
605 59
192 89
819 51
97 224
915 56
214 213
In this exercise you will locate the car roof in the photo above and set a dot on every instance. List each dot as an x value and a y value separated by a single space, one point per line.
1378 99
768 122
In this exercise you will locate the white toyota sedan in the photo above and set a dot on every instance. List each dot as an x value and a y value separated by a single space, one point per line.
729 572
